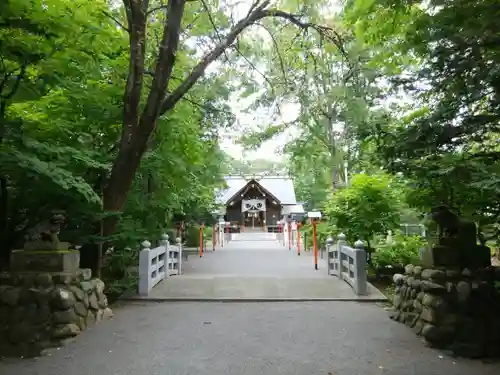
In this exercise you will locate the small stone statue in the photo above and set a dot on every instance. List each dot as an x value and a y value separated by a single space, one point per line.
448 222
44 235
460 236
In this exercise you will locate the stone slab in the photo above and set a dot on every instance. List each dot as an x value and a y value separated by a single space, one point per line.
239 288
441 256
66 261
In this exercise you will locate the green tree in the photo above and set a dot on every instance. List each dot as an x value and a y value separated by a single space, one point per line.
366 208
61 74
444 55
47 51
146 101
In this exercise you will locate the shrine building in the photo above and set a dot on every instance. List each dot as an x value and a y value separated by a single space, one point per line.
258 202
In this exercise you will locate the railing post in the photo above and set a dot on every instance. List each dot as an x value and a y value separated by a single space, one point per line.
214 240
164 242
145 283
329 253
179 245
361 284
338 254
341 242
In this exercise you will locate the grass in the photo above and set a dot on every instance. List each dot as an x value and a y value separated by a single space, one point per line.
386 287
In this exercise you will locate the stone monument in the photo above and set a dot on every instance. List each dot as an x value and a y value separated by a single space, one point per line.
45 297
42 250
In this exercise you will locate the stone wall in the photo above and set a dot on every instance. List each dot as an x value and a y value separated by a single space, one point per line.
42 310
451 309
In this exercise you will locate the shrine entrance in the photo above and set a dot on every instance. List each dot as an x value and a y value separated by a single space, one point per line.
254 220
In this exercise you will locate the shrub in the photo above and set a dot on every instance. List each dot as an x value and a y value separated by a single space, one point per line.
172 234
323 230
368 207
401 251
192 236
207 233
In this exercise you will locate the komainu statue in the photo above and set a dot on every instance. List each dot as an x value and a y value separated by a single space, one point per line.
45 235
461 237
451 226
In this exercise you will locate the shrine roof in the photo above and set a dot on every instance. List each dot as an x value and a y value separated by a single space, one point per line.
279 186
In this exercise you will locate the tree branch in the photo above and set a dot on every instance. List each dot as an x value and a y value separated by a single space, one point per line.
115 20
164 7
258 13
275 43
14 89
205 6
164 64
136 18
207 107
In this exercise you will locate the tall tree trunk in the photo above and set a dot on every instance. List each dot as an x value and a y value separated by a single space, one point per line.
4 220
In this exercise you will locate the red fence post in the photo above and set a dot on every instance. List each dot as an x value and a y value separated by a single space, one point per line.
201 239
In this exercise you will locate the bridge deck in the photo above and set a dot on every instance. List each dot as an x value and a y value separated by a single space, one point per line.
254 266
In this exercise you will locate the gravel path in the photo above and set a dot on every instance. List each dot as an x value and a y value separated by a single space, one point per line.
289 338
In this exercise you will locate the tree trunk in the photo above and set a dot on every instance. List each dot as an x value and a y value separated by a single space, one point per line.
122 175
4 217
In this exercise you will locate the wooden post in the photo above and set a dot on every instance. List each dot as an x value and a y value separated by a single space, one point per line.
315 245
201 239
298 239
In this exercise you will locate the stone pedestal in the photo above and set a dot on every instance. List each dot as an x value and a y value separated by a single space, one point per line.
479 257
60 261
441 256
452 309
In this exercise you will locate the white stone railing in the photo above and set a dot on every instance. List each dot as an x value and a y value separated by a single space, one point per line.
158 263
347 263
288 237
223 234
220 235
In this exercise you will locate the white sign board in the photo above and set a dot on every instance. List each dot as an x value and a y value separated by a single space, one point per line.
314 214
294 225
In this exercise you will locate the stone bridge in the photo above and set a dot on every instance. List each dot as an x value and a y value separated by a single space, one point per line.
255 266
